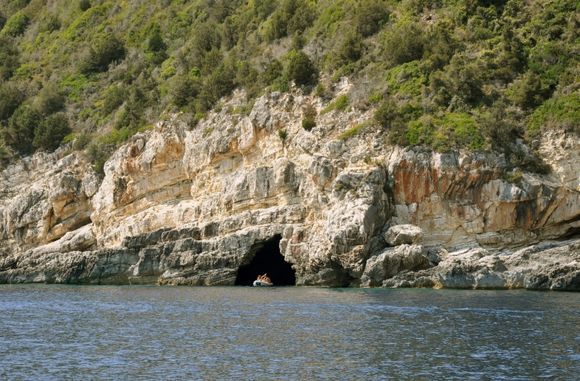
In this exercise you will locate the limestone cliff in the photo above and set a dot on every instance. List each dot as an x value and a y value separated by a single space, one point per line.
191 206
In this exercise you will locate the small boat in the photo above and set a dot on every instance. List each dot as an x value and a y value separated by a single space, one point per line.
261 283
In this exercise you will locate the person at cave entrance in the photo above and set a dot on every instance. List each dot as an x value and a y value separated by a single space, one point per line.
264 278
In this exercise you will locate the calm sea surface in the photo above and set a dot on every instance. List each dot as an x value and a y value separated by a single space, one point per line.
242 333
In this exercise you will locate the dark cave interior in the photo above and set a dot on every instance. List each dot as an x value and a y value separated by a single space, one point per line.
267 259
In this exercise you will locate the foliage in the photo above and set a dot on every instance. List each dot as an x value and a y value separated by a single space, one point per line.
50 133
446 132
353 131
404 43
283 135
559 112
16 24
10 98
309 119
49 100
84 5
386 114
370 16
447 74
21 127
300 69
350 49
8 58
101 54
339 104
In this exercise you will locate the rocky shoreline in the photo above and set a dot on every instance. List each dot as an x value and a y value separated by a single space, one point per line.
191 206
181 257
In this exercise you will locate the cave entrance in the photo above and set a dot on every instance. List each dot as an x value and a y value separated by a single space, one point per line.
267 259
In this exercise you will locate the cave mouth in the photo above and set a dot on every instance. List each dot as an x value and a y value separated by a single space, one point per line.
267 259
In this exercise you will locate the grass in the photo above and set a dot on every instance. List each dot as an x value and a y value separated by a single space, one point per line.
339 104
354 130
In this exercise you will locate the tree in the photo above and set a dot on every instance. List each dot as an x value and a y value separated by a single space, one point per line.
50 132
49 100
370 15
405 43
105 51
10 98
16 24
84 5
156 47
300 69
350 49
8 58
20 132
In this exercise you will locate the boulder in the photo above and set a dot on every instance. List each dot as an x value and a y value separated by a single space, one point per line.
403 235
391 262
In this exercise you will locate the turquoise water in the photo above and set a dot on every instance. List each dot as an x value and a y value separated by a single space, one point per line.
241 333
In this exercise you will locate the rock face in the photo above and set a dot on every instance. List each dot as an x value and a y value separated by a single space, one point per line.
400 234
189 206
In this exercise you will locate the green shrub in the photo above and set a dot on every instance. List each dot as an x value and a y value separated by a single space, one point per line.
450 131
51 24
20 131
302 18
309 119
50 132
291 17
16 24
80 140
218 84
283 135
274 70
350 49
387 114
84 5
156 47
528 91
501 125
49 100
74 86
5 154
463 79
403 43
549 60
441 43
10 98
300 69
183 90
206 38
406 79
370 16
113 98
103 52
2 21
558 112
8 57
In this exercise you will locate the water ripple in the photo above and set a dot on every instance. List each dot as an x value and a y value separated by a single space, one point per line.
150 333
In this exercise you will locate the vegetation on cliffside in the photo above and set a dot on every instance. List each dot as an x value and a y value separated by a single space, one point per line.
474 74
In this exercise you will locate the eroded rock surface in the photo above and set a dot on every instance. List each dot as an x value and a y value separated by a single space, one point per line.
186 206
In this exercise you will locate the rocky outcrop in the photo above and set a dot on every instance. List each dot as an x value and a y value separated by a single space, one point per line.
403 234
187 206
545 266
44 197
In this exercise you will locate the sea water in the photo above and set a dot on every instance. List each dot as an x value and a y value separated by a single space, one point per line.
50 332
